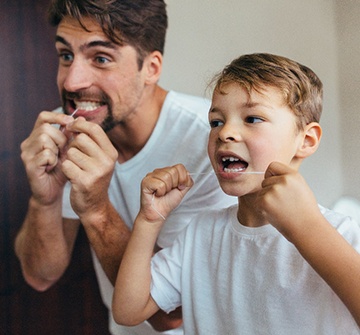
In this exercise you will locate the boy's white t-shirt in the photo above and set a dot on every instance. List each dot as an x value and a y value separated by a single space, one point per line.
232 279
180 136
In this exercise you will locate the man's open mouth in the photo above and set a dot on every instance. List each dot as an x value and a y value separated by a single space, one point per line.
87 106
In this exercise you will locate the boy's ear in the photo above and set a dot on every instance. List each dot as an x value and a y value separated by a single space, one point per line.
153 67
311 140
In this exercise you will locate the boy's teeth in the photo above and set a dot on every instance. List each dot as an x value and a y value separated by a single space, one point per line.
233 170
87 105
231 159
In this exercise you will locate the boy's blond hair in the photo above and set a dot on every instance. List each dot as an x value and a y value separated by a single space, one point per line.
300 86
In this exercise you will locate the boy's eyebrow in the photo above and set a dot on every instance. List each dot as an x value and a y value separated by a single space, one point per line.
213 109
92 44
248 104
252 104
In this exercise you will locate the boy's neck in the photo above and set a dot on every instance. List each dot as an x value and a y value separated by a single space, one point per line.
249 214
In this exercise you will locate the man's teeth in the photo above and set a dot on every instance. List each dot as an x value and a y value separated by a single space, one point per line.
87 105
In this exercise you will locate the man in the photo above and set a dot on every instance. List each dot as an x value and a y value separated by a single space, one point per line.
89 171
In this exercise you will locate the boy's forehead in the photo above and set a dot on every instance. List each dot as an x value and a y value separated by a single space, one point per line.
265 95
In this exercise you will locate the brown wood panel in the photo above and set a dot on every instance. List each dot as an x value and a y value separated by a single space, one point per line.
27 86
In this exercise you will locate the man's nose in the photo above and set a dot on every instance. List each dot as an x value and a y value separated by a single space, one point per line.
78 76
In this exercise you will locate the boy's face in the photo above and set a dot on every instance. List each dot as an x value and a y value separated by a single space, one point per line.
96 76
247 134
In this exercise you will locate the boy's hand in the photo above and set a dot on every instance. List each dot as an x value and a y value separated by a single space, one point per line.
162 190
286 200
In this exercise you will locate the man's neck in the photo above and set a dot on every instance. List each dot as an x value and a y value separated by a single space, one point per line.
131 136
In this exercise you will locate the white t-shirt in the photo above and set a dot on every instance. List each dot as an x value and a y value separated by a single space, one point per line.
232 279
180 136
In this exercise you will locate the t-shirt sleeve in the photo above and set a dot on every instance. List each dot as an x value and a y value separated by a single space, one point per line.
166 269
67 211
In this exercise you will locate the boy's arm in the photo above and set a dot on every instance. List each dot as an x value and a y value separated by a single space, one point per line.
333 258
286 195
132 302
161 191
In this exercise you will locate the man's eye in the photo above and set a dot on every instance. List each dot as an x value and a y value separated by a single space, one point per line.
102 60
254 119
216 123
66 57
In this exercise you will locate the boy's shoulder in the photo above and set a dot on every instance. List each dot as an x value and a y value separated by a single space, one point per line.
336 219
346 225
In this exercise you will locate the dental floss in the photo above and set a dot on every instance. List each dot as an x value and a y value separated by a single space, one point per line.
154 208
72 114
197 173
239 172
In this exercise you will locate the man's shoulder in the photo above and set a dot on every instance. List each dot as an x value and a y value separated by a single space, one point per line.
188 101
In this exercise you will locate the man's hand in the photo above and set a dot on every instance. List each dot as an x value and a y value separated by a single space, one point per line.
40 155
89 165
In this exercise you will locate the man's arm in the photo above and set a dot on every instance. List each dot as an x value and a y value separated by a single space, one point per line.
108 236
44 244
89 165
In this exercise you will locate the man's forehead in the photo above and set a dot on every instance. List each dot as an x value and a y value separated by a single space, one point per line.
88 25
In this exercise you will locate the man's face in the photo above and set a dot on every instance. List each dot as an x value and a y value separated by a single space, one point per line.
96 76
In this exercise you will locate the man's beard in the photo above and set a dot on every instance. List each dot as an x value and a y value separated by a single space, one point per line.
109 122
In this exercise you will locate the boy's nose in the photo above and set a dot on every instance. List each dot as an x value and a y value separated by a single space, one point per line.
229 134
78 77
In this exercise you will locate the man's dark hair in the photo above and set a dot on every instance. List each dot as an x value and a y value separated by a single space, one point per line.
141 24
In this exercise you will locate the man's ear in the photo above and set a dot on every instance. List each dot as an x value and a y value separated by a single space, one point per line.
311 140
153 67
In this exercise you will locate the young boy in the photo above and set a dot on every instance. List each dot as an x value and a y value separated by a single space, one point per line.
278 263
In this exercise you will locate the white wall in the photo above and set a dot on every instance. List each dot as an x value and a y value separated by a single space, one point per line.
348 13
205 35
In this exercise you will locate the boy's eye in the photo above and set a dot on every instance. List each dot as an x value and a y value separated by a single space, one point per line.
253 119
216 123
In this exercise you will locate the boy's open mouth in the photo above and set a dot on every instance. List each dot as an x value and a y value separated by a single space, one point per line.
232 164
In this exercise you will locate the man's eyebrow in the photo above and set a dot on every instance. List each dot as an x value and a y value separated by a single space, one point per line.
100 43
62 40
92 44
